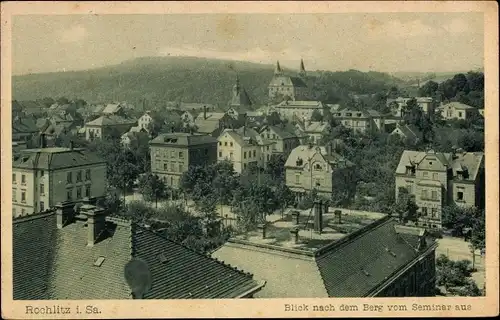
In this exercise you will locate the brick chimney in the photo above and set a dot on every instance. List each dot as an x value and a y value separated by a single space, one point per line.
71 145
64 213
205 112
318 215
96 222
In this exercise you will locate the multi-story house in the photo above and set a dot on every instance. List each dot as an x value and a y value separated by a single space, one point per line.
407 132
107 124
298 110
457 110
313 130
291 87
148 118
310 167
173 153
360 120
283 136
45 176
397 105
439 179
242 148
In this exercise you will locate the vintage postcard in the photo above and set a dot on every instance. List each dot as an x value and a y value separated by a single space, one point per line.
249 159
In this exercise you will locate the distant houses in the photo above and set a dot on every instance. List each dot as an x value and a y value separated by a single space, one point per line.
457 110
107 124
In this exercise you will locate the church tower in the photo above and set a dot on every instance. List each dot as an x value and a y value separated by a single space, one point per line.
302 72
277 70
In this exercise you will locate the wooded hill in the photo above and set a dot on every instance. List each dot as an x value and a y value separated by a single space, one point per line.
188 79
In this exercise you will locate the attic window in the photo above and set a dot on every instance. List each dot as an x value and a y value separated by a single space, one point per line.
163 259
99 261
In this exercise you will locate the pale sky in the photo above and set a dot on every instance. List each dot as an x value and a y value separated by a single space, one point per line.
387 42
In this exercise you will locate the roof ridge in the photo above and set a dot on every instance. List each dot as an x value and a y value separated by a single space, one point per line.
37 215
190 249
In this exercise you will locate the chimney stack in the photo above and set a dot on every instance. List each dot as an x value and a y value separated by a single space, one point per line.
422 244
205 112
64 213
71 144
96 222
318 216
43 141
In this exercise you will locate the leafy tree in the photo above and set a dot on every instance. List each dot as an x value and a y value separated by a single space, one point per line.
471 141
276 166
316 116
428 89
152 187
405 207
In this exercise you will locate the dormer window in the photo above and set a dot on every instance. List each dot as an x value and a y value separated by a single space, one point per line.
410 170
299 162
317 167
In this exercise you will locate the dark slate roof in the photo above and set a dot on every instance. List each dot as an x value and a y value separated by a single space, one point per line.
51 263
359 265
183 139
24 125
279 80
240 98
110 120
55 158
187 274
33 245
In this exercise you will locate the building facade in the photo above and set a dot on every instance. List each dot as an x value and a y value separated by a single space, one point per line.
283 137
107 124
45 176
294 111
457 110
240 148
310 167
440 179
291 87
362 121
173 153
397 105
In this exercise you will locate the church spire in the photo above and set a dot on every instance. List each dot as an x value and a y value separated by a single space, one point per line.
278 68
236 87
302 68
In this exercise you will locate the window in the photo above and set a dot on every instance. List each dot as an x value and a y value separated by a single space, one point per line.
220 143
424 194
268 158
23 196
42 173
79 192
69 177
244 155
435 176
181 154
23 212
172 166
267 148
434 195
424 211
42 189
23 179
460 114
13 178
205 151
231 143
434 212
317 167
254 154
87 174
87 191
318 182
297 179
165 166
225 143
69 194
231 155
244 166
181 167
425 174
409 188
79 176
460 196
172 154
14 195
42 206
220 154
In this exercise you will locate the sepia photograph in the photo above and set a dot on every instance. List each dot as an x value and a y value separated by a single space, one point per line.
182 155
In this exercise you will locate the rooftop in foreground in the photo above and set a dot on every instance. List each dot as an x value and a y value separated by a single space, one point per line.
279 237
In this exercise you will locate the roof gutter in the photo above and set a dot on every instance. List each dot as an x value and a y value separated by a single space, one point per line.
259 287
